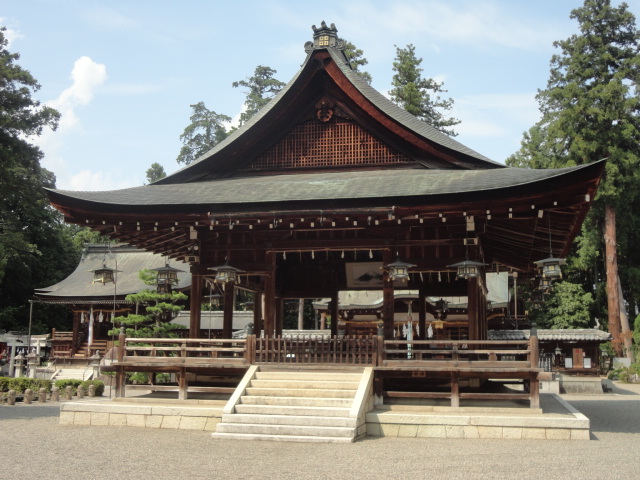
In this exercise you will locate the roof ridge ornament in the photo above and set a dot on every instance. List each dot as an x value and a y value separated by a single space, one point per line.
324 37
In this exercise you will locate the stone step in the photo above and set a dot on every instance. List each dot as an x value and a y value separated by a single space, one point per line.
71 374
305 384
296 401
309 375
299 420
300 430
300 392
307 411
282 438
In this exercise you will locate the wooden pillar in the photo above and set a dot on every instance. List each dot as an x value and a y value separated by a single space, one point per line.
279 315
76 331
229 306
195 303
257 313
422 313
182 384
455 390
270 295
472 308
387 298
335 313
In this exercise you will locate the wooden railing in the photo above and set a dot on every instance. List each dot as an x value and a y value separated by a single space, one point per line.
182 351
471 354
317 349
346 350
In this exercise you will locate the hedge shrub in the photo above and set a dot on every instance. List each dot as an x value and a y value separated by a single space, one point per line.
99 387
20 384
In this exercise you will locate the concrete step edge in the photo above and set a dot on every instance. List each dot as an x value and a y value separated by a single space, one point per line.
282 438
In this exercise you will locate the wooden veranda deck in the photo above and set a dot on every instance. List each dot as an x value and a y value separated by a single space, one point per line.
417 362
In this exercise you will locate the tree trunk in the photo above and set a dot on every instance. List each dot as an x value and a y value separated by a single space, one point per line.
611 262
624 324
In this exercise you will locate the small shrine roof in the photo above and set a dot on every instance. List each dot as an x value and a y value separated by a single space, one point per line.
78 286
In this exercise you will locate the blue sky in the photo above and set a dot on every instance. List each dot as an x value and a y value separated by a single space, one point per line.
123 73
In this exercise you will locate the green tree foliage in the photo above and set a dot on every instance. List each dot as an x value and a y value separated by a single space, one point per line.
155 172
160 309
261 88
420 96
36 248
590 111
206 130
357 60
567 306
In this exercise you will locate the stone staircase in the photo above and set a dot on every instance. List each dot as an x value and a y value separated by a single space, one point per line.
71 374
295 405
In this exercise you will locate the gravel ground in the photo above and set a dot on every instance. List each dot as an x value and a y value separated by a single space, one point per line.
34 445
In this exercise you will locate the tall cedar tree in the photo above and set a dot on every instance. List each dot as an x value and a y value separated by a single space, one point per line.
36 248
261 88
590 111
206 130
420 96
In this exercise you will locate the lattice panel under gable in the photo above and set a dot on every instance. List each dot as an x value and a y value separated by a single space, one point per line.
336 143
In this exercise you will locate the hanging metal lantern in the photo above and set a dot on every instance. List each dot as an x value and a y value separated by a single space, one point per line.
441 308
104 275
214 299
226 273
537 297
398 270
167 274
468 268
551 267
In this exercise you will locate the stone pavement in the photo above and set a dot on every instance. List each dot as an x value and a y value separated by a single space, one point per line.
35 445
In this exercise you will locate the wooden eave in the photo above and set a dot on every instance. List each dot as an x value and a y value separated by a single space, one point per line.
512 223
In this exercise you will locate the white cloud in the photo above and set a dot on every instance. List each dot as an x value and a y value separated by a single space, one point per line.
87 76
87 180
509 109
483 24
109 19
10 34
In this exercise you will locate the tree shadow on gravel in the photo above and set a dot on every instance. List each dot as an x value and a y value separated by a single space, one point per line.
27 412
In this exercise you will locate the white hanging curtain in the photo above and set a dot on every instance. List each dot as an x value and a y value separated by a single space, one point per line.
90 339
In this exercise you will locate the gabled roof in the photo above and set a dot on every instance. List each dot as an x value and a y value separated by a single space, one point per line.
326 73
78 287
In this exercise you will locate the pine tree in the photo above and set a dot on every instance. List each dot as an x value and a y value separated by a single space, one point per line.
420 96
262 87
206 130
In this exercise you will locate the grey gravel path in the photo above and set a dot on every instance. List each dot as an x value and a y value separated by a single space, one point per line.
33 445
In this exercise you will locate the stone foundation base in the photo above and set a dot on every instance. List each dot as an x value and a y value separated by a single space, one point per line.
173 417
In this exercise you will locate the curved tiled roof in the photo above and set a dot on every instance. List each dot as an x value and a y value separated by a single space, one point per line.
78 286
329 186
584 334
